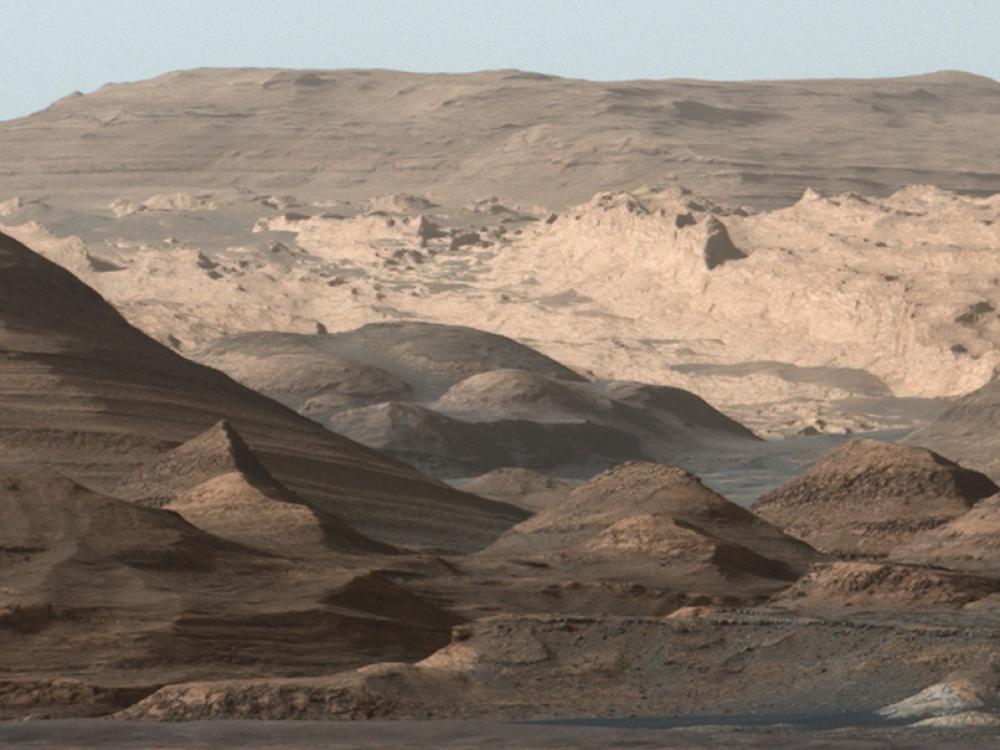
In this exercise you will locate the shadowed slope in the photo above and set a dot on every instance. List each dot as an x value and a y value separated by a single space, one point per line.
219 450
83 392
104 600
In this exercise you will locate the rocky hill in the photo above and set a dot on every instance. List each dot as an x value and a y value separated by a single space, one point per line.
87 395
868 497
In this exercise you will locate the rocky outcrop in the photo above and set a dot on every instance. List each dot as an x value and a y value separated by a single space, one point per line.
719 248
970 541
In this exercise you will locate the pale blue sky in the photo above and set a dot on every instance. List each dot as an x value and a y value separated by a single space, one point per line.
52 47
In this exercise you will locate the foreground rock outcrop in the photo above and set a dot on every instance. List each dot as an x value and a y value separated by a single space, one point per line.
546 667
105 600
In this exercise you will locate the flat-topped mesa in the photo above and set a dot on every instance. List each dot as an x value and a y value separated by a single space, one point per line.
651 513
867 497
754 140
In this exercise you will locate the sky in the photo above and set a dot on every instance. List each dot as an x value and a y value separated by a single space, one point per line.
50 48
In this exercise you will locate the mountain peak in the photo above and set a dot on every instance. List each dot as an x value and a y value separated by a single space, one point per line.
217 451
